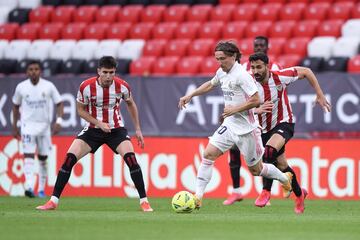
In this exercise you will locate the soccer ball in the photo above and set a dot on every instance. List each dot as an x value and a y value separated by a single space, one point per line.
183 202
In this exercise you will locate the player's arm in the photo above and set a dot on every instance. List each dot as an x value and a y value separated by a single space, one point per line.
252 102
84 114
204 88
59 115
16 116
304 72
134 114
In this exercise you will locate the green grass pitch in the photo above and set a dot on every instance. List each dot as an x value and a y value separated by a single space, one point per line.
120 218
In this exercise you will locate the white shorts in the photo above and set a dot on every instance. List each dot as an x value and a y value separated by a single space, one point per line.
41 143
250 144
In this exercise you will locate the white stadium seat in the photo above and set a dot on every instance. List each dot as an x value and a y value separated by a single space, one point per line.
29 3
321 47
131 49
85 49
4 13
62 49
3 45
17 49
346 47
40 49
107 48
351 28
9 3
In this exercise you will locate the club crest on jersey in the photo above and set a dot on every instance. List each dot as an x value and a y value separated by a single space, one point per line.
279 87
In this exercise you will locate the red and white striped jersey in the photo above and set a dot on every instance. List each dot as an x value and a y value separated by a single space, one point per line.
275 90
274 66
104 103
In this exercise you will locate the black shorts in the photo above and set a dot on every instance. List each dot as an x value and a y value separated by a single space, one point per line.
95 137
286 130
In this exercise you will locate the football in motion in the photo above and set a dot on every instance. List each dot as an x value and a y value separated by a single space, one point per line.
183 202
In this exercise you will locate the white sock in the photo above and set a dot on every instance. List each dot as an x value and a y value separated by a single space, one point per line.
236 190
29 173
270 171
42 175
203 176
143 200
54 199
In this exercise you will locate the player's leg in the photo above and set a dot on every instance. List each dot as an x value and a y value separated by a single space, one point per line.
29 147
44 149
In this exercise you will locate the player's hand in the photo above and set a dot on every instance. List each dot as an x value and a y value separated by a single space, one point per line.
140 138
183 101
56 128
228 111
322 101
266 107
104 127
16 133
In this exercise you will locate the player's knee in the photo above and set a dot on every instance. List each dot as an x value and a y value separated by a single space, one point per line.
42 157
69 162
270 155
131 162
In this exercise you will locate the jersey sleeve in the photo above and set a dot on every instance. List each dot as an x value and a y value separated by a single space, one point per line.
55 94
125 90
16 99
247 83
82 94
215 81
287 75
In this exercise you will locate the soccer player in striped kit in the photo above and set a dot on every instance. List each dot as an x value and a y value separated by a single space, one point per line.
98 102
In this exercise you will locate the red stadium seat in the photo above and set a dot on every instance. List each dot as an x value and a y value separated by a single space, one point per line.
282 29
85 14
107 14
176 13
164 30
188 30
222 13
165 66
141 31
201 47
306 28
209 66
355 13
189 66
268 12
234 30
289 60
199 13
297 46
142 66
246 46
154 48
29 31
229 1
276 46
51 31
41 14
177 47
245 12
63 14
253 1
354 64
8 31
211 30
317 11
276 1
118 31
341 10
96 31
259 28
130 13
292 11
330 28
73 31
153 13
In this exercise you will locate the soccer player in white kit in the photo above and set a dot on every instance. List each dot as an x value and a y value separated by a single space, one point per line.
239 126
35 96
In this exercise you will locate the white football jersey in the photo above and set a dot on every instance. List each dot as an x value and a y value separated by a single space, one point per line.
237 86
35 103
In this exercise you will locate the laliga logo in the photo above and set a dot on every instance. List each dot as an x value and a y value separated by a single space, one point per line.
11 169
188 175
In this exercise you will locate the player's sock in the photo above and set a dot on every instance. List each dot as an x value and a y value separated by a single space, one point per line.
29 173
270 171
64 174
203 176
54 199
143 200
42 175
235 165
294 183
135 173
236 190
267 184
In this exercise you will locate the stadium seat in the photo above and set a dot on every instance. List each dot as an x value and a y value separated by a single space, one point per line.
176 13
52 2
154 48
41 14
153 13
222 13
123 66
165 66
245 12
118 31
297 46
321 47
3 45
211 30
17 49
189 66
177 47
94 2
209 66
259 28
268 12
289 60
234 30
351 28
282 29
63 14
51 31
40 49
341 10
96 31
130 13
72 2
8 4
187 2
165 30
73 66
85 14
355 13
19 15
8 66
107 14
187 30
229 1
62 49
276 46
246 46
346 47
212 2
29 4
51 67
131 49
107 48
292 11
161 2
317 11
330 28
306 28
73 31
90 66
85 49
337 64
253 1
28 31
354 64
8 31
199 13
314 63
4 13
141 31
201 47
137 2
142 66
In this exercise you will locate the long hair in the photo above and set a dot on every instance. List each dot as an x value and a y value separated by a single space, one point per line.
229 48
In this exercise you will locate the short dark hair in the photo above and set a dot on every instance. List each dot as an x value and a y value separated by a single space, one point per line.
107 62
259 56
262 38
229 48
33 61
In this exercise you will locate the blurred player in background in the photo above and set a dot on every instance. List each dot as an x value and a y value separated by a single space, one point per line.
35 96
98 102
